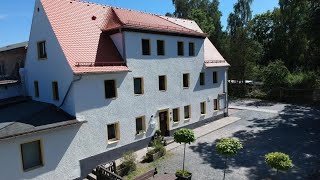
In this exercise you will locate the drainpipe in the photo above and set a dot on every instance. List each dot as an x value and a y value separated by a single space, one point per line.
69 88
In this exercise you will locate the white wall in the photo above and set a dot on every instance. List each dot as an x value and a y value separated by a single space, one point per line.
118 41
10 90
92 106
61 154
54 68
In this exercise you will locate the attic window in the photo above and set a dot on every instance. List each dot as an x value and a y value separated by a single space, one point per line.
42 53
93 18
38 9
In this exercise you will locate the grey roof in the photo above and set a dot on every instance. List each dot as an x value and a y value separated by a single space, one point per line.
14 46
29 116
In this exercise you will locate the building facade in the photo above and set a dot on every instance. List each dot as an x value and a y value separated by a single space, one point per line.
121 75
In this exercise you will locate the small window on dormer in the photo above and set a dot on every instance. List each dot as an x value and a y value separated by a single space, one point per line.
180 48
191 49
42 53
146 47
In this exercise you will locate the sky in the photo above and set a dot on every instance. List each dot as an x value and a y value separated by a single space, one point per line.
16 15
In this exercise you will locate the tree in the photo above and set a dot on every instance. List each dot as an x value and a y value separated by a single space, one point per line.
275 75
185 136
228 147
278 161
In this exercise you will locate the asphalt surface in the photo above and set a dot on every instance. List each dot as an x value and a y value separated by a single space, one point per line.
295 130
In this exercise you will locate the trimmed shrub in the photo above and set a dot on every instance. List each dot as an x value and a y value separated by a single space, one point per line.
278 161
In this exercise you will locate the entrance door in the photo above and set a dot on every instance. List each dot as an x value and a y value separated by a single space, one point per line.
163 120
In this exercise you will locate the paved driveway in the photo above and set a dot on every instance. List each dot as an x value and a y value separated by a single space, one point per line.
295 130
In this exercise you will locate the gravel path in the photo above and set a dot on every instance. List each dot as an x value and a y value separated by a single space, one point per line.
295 131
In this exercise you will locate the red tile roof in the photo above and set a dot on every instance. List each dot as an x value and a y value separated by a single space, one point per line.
79 26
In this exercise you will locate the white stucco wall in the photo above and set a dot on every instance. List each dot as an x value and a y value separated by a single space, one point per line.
91 105
54 68
10 90
61 154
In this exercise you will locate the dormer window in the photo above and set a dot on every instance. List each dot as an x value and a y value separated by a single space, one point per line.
42 53
146 47
180 48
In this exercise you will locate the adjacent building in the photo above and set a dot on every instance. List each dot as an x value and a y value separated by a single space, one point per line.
102 80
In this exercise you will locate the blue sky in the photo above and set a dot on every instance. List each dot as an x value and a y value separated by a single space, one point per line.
16 15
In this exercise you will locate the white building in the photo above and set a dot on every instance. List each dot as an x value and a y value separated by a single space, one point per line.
119 75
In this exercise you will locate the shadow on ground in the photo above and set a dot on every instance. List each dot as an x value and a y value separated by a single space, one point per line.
295 131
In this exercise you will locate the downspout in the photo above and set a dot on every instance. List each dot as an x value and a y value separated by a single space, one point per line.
69 88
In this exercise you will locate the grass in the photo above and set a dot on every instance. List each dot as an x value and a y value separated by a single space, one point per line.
145 167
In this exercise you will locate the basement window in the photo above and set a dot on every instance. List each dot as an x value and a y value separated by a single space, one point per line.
42 53
31 154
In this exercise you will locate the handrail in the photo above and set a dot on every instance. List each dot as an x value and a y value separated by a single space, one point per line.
92 64
104 174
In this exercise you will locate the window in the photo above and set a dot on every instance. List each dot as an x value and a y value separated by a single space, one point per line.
36 88
162 83
175 115
180 49
215 104
203 108
31 154
110 89
140 125
186 80
146 47
202 79
113 132
160 47
191 49
138 85
55 91
2 69
215 77
187 112
42 53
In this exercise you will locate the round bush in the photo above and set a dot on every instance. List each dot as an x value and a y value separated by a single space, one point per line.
228 146
279 161
184 135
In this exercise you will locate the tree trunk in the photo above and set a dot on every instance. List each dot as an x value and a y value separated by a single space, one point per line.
184 156
225 167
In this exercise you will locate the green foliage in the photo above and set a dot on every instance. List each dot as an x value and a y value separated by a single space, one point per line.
275 75
302 80
228 146
279 161
183 173
129 161
205 22
184 135
157 147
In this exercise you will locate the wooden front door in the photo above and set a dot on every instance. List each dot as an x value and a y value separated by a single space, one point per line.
163 120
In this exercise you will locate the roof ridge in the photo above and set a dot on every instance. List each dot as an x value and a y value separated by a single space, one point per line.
179 18
178 24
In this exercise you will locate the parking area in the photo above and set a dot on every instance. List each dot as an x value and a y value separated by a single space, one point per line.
264 127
